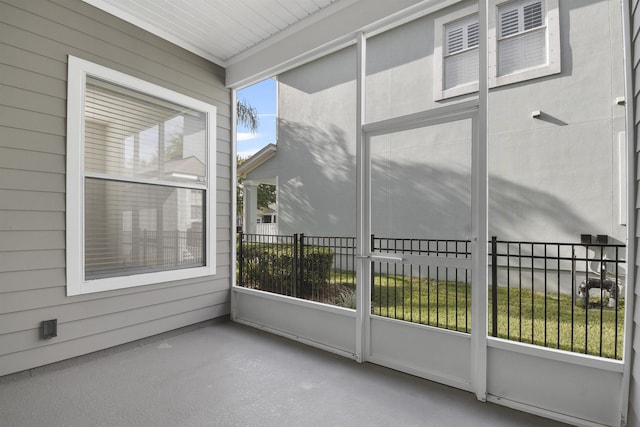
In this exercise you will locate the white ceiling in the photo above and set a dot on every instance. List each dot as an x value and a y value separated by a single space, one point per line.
219 30
257 39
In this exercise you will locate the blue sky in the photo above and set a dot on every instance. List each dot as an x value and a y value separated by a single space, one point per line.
261 96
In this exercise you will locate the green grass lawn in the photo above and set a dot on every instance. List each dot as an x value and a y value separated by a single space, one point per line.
414 300
526 322
523 316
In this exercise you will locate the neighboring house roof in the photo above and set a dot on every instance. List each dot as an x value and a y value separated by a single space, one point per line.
257 160
190 167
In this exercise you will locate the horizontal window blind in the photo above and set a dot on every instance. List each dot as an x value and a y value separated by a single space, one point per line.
522 52
145 183
135 228
461 52
522 40
461 69
462 34
532 14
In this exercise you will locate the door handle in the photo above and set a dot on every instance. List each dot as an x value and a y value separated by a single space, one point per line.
382 258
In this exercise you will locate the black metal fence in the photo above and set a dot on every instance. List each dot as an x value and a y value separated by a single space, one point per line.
559 295
315 268
435 296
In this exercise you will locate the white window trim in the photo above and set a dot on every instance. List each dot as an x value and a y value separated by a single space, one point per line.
76 284
438 56
553 66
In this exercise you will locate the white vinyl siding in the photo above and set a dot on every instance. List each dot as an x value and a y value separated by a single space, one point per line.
633 419
461 52
522 41
137 153
39 36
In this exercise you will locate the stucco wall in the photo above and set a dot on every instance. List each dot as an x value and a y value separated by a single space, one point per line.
36 37
315 162
551 179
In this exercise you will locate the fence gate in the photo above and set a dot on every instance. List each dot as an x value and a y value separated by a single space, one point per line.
418 184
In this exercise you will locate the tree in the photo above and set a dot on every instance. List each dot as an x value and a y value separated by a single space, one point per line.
266 195
174 149
239 192
247 115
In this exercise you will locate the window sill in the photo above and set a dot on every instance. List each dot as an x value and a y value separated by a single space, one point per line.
456 91
524 75
77 286
494 82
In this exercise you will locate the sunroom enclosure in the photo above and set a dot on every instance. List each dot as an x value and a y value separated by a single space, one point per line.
501 122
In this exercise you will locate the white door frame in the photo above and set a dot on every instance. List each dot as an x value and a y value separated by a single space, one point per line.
480 229
452 113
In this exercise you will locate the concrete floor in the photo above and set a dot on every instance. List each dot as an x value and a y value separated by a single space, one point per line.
225 374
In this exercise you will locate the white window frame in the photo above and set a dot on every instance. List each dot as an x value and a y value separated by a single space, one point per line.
76 283
439 54
553 65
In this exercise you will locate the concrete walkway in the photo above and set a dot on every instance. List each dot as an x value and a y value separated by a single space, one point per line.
225 374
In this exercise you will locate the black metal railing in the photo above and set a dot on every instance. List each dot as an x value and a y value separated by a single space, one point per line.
315 268
434 296
560 295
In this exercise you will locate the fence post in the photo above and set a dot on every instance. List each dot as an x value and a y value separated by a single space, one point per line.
300 283
373 276
240 259
574 286
295 265
494 286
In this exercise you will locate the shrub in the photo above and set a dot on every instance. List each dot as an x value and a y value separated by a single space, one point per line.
270 267
346 297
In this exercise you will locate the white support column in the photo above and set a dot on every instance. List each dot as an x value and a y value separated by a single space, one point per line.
480 222
363 292
234 203
250 200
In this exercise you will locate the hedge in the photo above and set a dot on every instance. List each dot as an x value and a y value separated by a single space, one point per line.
270 267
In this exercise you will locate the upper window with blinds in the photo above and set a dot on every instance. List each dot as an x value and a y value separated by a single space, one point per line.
140 164
522 36
523 43
461 52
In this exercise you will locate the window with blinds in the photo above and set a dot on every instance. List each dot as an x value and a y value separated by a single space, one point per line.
522 38
141 184
144 159
461 52
523 43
